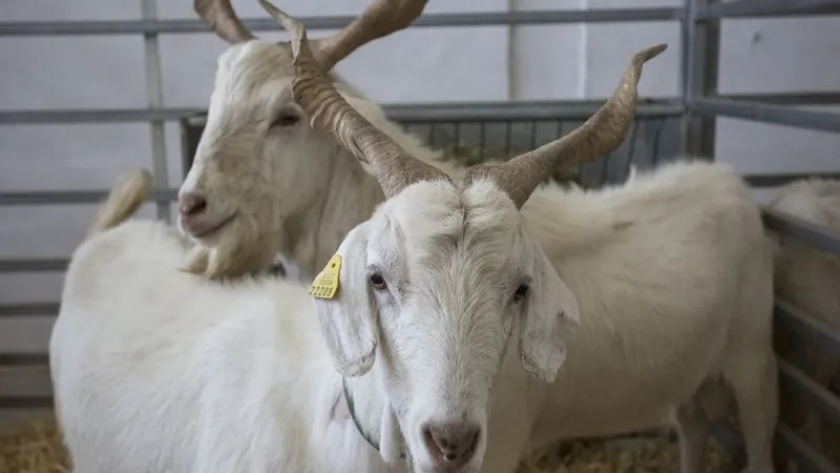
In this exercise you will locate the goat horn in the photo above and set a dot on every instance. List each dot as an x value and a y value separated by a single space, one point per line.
380 18
222 19
314 92
602 133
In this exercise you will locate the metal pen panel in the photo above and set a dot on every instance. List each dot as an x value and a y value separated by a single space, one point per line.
767 113
513 18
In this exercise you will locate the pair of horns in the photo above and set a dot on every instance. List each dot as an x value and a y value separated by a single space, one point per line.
395 169
381 18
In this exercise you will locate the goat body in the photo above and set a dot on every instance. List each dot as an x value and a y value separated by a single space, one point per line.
672 275
808 278
672 271
166 371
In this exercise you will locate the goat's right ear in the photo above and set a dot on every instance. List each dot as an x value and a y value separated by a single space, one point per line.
348 318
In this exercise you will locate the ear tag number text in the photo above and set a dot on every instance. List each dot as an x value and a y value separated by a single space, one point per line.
325 285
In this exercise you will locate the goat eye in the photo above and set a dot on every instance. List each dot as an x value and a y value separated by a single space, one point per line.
285 119
377 281
521 292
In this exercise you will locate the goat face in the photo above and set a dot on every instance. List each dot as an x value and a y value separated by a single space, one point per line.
432 287
258 162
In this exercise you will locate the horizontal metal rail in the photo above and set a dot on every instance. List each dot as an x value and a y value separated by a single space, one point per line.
16 117
24 359
814 395
763 8
788 98
26 402
437 113
490 112
53 28
71 197
767 113
36 309
60 197
795 320
815 236
478 111
774 180
791 445
26 265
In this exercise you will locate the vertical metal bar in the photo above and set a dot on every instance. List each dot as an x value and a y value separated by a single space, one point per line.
700 78
657 135
605 167
482 140
533 135
632 149
507 139
154 95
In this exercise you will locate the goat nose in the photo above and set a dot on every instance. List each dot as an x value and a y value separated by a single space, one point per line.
451 444
192 204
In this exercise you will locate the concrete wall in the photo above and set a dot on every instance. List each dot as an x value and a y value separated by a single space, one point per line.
420 65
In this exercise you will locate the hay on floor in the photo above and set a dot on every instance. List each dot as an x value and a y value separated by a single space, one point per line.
642 454
36 448
33 447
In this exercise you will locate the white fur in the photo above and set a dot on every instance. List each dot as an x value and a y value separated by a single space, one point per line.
156 369
654 264
808 277
671 273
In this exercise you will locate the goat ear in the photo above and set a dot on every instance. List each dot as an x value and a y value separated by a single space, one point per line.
550 308
347 319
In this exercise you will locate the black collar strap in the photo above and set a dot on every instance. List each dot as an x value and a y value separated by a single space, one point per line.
352 409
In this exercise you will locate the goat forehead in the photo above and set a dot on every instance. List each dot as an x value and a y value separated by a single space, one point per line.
442 224
252 65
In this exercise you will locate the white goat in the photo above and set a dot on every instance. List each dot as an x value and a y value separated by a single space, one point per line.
263 182
808 277
158 370
312 192
429 289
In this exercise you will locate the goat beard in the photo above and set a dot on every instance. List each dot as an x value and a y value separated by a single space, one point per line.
246 250
390 438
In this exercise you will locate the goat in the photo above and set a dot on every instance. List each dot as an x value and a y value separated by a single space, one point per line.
808 277
156 369
313 198
256 141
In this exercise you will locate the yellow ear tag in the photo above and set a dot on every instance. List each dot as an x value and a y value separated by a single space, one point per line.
325 284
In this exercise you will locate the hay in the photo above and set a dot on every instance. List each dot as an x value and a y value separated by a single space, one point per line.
34 447
639 454
37 448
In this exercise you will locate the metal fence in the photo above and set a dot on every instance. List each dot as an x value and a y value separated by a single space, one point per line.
663 130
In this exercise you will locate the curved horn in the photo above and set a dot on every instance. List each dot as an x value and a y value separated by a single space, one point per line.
602 133
380 18
221 17
314 92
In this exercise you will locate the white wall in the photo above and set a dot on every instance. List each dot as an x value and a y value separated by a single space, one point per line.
420 65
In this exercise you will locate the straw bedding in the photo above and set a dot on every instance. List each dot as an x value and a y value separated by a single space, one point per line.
36 447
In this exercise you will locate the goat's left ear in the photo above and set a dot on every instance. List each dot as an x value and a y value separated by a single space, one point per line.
348 319
550 308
